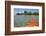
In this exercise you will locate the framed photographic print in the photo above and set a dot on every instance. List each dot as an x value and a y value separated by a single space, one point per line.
24 17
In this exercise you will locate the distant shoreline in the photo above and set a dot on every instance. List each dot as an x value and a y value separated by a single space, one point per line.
28 15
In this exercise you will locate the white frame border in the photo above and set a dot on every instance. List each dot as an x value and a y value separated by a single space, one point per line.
25 28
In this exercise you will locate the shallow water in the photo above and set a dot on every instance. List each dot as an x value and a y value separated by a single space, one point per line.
19 20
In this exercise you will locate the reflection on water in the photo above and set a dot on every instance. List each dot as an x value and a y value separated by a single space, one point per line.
20 20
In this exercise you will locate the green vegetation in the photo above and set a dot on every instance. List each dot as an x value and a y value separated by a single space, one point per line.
28 13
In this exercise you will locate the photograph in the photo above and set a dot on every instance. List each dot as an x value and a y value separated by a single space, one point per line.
25 17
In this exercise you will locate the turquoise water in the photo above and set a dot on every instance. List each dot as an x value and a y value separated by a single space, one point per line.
19 20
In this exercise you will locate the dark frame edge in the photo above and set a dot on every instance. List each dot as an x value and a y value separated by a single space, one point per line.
10 33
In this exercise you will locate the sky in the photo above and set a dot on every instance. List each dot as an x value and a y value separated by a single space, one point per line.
21 10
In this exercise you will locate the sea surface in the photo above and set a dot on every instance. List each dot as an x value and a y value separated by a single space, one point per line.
20 20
